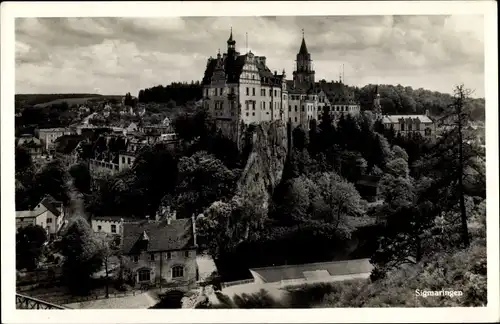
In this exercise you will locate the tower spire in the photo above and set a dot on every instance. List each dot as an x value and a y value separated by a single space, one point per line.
303 47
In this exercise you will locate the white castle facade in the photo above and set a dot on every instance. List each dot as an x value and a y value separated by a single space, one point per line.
241 89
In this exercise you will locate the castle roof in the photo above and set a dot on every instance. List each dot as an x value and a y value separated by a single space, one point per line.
233 66
395 119
303 47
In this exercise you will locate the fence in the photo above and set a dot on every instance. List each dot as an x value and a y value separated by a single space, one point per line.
234 283
79 299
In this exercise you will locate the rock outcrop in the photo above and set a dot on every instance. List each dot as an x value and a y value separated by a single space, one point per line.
265 163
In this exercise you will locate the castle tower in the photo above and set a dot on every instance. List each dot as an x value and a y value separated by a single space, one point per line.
231 45
303 76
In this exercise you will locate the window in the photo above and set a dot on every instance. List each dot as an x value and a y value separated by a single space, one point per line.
144 275
123 159
264 105
253 106
428 132
263 92
402 127
128 161
289 108
49 220
295 119
275 93
168 255
151 257
177 272
247 114
253 91
295 108
253 114
221 91
248 91
303 108
113 228
136 258
99 228
186 254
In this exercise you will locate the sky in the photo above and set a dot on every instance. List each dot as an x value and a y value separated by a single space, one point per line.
119 55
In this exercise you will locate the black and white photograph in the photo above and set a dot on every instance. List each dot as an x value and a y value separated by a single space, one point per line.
250 160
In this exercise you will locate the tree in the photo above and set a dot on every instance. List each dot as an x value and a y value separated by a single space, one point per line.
83 255
300 140
29 246
203 179
449 159
81 177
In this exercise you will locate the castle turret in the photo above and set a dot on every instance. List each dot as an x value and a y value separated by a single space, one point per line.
231 45
303 76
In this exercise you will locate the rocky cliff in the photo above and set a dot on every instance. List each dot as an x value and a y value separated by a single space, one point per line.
268 153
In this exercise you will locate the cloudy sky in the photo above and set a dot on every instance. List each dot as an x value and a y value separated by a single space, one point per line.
119 55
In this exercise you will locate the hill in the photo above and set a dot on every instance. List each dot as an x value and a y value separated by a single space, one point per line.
44 100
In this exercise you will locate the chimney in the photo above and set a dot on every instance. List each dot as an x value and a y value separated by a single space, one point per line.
193 221
427 112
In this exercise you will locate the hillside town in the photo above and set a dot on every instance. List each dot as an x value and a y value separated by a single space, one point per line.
252 193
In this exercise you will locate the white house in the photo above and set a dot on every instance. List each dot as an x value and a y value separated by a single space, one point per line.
49 214
107 224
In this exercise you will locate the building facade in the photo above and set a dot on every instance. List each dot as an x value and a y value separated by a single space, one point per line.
49 214
161 251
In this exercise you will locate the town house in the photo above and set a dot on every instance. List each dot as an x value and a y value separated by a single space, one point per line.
49 214
162 251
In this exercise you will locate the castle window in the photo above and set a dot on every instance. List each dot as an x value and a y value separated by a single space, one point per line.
264 105
220 91
289 108
253 77
253 114
295 108
295 119
248 91
113 228
168 255
402 127
253 105
135 258
263 92
247 114
144 275
186 254
177 272
253 91
151 257
303 108
275 93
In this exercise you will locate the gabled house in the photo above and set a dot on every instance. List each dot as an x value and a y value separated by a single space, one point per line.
160 251
49 214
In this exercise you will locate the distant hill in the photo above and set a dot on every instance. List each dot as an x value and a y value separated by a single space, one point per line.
43 100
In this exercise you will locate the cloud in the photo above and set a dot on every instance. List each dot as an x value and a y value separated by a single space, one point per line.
118 55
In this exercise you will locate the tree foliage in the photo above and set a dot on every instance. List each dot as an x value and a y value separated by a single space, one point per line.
29 246
83 255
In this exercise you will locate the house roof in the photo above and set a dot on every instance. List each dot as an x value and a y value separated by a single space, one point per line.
67 143
177 235
394 119
28 141
113 218
304 271
47 203
50 203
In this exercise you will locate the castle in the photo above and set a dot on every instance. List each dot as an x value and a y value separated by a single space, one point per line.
241 89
